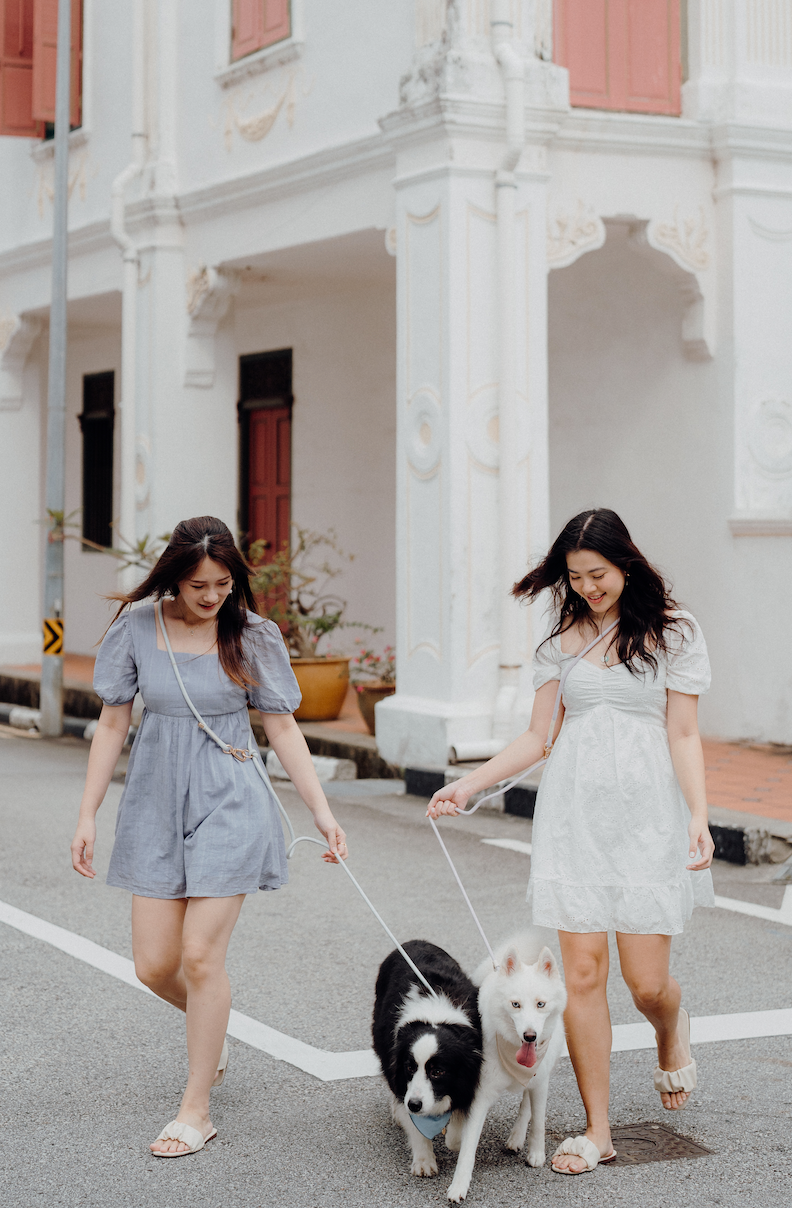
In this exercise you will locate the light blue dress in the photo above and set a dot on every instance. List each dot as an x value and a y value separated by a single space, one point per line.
193 821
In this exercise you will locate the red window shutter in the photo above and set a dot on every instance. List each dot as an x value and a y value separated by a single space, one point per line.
258 23
45 54
621 54
277 21
246 29
16 69
269 477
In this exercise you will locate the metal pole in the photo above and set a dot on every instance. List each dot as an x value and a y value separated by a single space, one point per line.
52 656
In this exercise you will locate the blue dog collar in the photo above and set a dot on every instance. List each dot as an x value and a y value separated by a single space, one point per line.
430 1126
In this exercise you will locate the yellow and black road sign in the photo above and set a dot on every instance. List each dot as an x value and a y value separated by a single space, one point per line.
53 635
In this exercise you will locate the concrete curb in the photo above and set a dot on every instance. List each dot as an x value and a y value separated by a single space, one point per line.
740 838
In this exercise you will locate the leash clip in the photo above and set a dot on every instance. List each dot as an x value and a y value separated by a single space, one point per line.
239 753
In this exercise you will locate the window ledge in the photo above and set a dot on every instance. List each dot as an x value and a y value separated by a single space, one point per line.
760 526
261 60
44 151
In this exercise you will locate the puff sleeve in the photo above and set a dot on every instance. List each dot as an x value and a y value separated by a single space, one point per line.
547 659
688 667
276 690
115 677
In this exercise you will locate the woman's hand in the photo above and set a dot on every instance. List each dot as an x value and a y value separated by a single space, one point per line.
449 800
335 837
82 848
701 844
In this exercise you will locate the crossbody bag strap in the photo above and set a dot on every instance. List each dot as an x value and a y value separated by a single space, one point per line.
564 674
239 753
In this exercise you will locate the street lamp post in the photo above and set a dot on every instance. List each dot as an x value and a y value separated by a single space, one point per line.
52 656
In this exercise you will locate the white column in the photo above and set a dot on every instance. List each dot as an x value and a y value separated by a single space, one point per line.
451 552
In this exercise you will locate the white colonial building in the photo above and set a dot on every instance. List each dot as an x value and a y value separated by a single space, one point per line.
435 273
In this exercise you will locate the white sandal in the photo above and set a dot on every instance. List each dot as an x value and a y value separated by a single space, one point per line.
222 1066
191 1137
670 1082
581 1147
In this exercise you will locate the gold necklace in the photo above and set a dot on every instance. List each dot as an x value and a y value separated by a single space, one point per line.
187 626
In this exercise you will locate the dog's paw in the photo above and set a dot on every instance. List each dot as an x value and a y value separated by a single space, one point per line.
536 1156
456 1193
424 1168
515 1142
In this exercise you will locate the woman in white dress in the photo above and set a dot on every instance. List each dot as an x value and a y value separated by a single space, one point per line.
620 835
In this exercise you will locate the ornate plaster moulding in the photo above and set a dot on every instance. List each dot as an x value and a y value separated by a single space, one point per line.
17 334
769 438
263 60
774 236
424 431
573 230
678 248
746 525
209 295
636 133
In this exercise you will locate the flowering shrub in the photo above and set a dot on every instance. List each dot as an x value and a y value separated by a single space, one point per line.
368 666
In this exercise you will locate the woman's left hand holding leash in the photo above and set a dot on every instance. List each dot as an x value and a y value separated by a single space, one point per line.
701 845
451 799
335 837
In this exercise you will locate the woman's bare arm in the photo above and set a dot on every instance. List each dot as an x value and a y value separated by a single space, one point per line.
520 754
688 760
110 736
287 741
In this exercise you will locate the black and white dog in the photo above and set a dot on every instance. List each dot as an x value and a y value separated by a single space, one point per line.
430 1049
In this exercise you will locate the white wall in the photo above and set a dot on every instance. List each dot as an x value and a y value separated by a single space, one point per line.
636 427
344 428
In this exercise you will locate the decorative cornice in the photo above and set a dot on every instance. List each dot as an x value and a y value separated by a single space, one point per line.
636 133
93 237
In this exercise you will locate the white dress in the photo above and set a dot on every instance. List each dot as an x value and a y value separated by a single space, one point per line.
610 840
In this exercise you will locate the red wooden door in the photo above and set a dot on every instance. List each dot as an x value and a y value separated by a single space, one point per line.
269 477
621 54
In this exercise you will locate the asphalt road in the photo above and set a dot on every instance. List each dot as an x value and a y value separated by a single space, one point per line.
92 1068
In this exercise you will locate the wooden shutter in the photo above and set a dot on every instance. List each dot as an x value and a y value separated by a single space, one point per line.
269 477
621 54
258 23
45 54
16 69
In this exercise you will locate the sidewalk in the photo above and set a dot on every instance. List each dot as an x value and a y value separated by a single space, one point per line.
741 777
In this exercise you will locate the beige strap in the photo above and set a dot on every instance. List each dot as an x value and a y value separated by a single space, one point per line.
669 1081
177 1131
579 1147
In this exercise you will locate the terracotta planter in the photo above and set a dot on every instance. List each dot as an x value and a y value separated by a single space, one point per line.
323 683
367 697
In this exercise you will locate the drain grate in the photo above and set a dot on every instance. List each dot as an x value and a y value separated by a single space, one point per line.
648 1142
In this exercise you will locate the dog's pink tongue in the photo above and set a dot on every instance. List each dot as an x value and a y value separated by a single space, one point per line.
527 1054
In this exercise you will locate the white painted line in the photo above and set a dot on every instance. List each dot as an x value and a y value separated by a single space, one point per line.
362 1063
510 845
782 914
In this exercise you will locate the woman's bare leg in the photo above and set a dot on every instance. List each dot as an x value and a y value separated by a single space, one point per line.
644 965
588 1032
200 982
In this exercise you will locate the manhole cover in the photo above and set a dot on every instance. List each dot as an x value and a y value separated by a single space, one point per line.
647 1142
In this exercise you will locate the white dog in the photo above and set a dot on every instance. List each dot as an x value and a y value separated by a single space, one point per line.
521 1006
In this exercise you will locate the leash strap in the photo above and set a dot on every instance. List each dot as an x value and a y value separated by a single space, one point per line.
511 783
243 755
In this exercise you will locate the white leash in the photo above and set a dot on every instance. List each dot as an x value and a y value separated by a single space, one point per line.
242 755
511 783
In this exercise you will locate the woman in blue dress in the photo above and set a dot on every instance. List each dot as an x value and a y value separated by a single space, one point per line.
197 827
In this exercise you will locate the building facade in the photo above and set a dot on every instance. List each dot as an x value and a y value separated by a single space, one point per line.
436 274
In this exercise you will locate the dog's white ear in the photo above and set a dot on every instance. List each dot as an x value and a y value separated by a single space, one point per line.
510 963
547 963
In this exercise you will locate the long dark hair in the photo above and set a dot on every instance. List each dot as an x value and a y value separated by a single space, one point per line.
191 542
644 605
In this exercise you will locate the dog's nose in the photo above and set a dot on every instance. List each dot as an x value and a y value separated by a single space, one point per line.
415 1105
529 1037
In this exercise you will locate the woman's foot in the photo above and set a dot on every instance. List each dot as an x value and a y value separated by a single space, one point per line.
576 1165
670 1057
196 1120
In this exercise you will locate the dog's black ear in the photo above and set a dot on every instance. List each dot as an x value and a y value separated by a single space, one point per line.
547 963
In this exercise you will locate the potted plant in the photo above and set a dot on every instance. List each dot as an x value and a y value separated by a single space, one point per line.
294 590
374 677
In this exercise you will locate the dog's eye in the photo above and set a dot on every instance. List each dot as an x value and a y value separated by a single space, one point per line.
516 1005
438 1073
541 1004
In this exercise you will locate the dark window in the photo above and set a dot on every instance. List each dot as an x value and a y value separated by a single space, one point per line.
96 421
265 394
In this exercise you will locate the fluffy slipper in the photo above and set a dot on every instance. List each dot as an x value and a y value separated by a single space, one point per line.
176 1131
222 1067
581 1147
667 1082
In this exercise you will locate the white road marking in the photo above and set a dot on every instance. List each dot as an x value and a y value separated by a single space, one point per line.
771 914
510 845
362 1063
